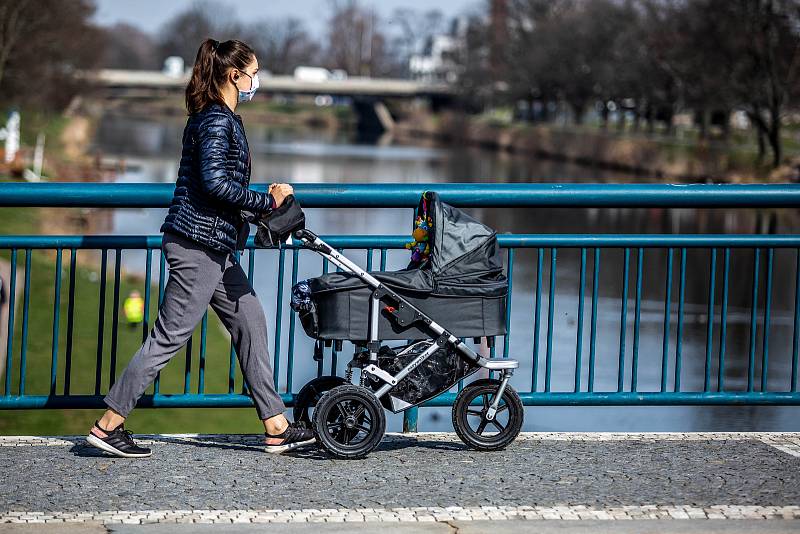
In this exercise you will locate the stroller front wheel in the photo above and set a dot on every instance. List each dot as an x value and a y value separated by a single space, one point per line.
471 423
349 421
309 396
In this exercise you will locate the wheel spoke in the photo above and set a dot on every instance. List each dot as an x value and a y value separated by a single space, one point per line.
362 428
502 408
360 410
342 409
475 412
485 401
481 427
500 427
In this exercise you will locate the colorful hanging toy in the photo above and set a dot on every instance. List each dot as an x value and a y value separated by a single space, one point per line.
420 247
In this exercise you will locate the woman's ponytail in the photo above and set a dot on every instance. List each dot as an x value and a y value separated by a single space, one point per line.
214 60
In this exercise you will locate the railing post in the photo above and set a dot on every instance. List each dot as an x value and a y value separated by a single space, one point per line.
410 420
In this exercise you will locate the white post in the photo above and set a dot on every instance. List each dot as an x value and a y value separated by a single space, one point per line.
12 136
38 156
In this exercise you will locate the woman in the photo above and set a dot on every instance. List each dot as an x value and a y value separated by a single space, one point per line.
202 230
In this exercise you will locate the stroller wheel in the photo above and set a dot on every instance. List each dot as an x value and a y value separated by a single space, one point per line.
309 396
349 421
470 421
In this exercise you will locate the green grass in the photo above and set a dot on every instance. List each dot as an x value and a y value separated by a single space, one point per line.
84 348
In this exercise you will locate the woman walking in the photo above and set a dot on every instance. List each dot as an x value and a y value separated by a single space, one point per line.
203 229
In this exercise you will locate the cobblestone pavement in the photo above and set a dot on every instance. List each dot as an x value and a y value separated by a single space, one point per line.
420 478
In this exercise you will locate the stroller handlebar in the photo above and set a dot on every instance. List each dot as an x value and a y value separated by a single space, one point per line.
304 234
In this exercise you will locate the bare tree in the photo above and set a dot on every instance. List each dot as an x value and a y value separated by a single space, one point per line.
412 28
355 40
129 48
182 35
47 40
282 44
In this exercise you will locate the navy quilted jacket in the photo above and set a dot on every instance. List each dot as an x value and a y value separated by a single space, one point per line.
213 178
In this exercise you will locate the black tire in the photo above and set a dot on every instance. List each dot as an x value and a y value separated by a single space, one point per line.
309 395
507 423
349 421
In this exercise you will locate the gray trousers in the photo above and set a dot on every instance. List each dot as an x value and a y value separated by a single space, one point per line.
199 276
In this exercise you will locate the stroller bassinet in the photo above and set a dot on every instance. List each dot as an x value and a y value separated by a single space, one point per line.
460 283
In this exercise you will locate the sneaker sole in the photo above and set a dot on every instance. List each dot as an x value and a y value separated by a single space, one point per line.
100 444
277 449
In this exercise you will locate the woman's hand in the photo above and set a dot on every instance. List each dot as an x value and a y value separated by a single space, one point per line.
279 192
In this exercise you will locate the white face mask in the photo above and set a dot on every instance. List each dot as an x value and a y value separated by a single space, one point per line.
245 96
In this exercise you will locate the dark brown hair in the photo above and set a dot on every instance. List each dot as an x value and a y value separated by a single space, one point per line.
214 60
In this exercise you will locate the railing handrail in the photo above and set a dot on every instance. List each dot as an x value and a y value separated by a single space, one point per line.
465 194
363 241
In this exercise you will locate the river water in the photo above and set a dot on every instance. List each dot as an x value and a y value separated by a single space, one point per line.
150 148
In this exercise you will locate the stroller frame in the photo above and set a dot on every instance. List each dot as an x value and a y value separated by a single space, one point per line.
405 314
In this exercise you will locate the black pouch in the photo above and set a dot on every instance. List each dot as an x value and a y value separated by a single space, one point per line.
242 232
280 223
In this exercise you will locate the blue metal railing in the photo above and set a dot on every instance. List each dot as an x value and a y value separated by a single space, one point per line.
542 356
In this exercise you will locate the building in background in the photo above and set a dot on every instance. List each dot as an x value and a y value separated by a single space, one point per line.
437 63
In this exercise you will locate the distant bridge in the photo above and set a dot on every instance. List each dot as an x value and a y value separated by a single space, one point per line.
354 86
367 94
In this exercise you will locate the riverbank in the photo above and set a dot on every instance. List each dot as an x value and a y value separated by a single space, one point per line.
663 158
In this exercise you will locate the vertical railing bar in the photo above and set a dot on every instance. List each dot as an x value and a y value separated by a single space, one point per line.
25 307
187 372
232 356
250 274
290 362
767 306
115 318
201 373
723 319
278 317
383 259
321 361
537 318
70 321
101 314
12 297
667 306
148 280
623 317
162 272
56 319
369 259
579 340
593 333
507 337
550 311
712 282
679 335
753 313
796 340
637 316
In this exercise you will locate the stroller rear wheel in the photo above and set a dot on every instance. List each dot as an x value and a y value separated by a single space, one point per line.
309 395
471 422
349 421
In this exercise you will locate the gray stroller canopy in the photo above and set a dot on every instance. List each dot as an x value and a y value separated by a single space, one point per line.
464 259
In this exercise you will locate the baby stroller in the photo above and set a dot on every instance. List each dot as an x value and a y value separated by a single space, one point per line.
453 287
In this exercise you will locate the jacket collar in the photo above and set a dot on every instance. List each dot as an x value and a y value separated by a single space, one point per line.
224 108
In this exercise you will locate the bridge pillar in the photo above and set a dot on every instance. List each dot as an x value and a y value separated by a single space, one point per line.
373 117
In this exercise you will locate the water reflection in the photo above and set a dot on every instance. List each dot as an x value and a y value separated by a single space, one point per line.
151 149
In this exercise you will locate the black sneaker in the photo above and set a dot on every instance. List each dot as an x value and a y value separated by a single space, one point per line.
118 442
295 436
